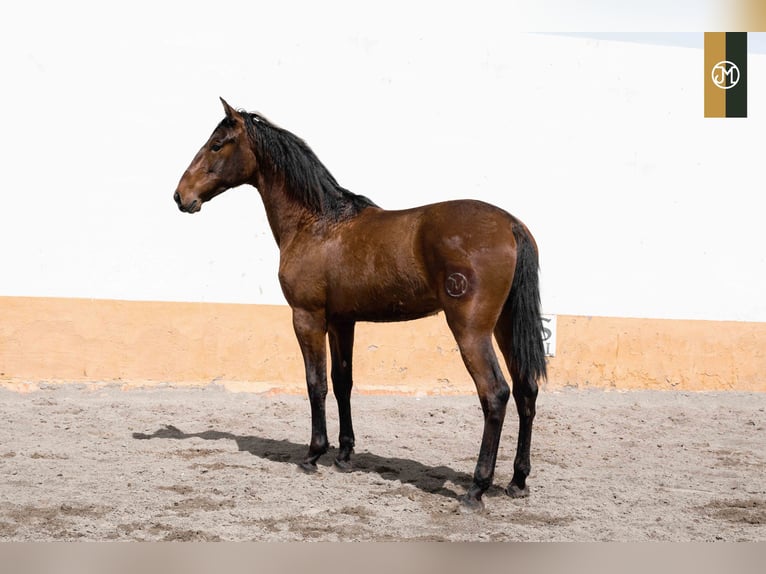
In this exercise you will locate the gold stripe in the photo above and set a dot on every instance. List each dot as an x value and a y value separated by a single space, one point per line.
715 97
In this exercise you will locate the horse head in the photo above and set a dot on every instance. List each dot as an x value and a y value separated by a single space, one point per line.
225 161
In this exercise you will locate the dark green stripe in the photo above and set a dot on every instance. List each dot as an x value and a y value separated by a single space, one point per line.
736 97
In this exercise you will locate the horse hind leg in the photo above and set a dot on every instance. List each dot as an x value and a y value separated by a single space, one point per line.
341 351
525 396
519 335
480 360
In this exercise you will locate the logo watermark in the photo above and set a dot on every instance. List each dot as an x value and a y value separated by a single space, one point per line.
725 69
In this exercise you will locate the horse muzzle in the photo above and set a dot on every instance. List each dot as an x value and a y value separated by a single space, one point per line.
192 207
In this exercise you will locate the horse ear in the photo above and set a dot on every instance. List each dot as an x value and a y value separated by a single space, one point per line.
231 113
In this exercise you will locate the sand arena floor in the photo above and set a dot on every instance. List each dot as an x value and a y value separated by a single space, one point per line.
93 462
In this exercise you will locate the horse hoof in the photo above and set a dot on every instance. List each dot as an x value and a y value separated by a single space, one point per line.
343 465
515 491
307 467
470 505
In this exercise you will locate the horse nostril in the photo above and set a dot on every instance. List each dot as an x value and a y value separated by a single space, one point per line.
177 197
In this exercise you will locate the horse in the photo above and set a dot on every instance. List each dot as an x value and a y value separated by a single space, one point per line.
344 259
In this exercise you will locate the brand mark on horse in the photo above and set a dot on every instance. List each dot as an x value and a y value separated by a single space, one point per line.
456 285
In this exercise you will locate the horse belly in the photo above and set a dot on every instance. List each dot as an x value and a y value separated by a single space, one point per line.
385 299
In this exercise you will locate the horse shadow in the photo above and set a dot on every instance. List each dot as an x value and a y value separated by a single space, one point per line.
432 480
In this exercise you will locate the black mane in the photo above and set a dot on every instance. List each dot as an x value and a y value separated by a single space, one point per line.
307 180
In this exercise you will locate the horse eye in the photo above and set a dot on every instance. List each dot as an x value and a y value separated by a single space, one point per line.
216 147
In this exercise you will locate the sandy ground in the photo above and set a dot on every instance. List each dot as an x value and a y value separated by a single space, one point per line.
93 462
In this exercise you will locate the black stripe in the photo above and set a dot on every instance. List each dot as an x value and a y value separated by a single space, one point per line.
736 97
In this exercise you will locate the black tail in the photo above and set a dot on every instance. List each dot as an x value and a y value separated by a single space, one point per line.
527 332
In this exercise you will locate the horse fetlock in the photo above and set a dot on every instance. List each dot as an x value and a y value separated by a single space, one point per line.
346 443
521 470
344 452
318 446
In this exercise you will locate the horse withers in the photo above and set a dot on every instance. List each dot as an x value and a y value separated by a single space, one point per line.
343 259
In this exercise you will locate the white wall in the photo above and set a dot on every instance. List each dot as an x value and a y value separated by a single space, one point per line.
640 205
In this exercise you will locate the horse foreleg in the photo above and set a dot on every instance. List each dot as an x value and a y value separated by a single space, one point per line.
341 350
311 329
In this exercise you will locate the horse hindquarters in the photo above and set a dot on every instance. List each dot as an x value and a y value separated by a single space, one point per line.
471 261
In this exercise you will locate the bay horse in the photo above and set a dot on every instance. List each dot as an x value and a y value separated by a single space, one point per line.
343 259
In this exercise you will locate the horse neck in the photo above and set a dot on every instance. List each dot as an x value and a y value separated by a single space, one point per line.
286 216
